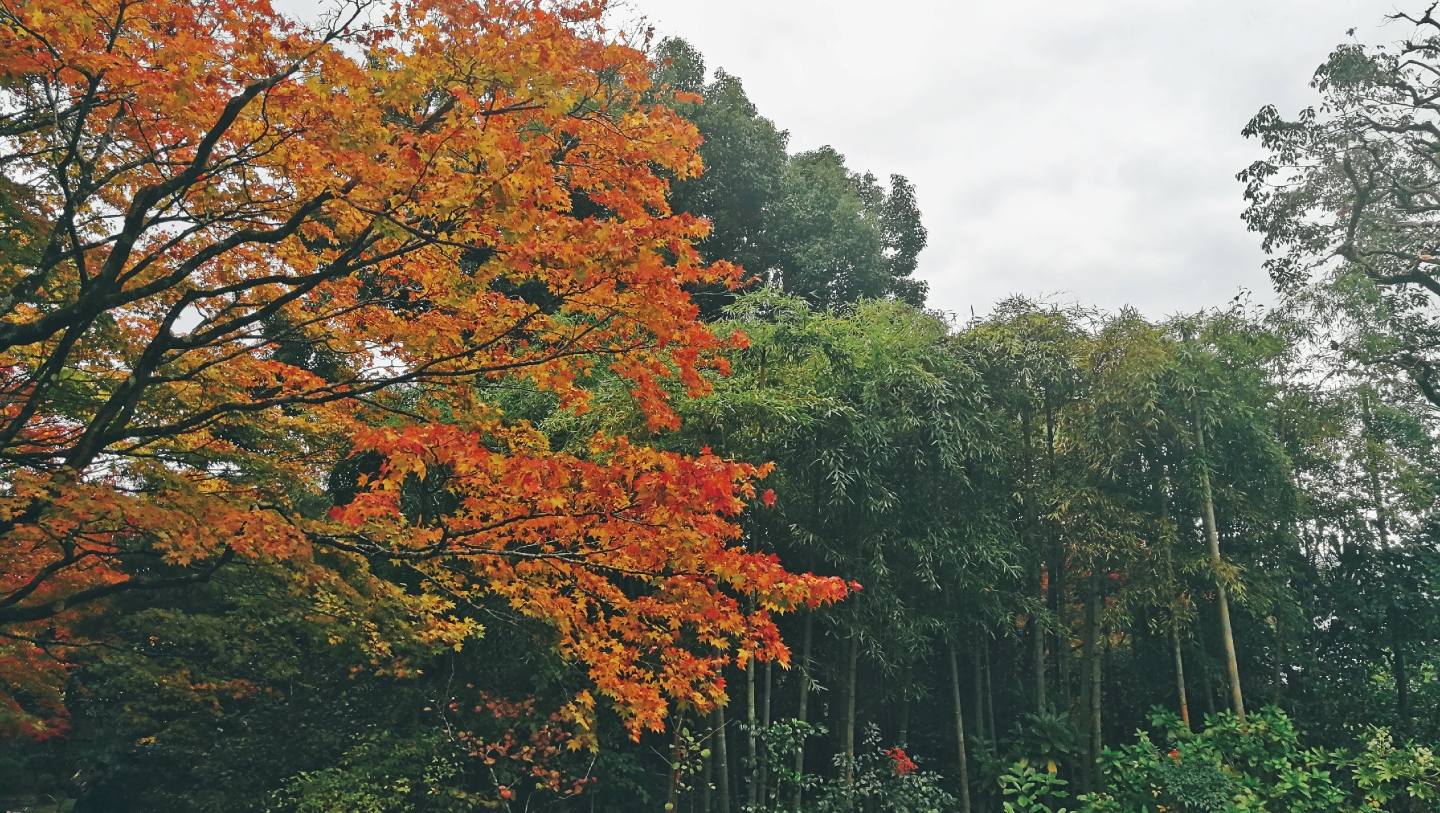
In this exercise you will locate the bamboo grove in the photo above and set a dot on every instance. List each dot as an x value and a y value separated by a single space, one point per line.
453 406
1063 520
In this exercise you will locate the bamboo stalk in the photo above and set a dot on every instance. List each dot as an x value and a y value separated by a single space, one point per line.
1095 684
905 709
1180 675
1212 536
764 773
750 785
673 793
989 693
707 775
804 704
960 733
1037 637
722 754
1089 643
978 676
850 713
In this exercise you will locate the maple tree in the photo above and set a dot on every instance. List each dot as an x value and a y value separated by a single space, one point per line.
259 279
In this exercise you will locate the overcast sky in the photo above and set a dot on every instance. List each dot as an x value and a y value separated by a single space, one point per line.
1086 149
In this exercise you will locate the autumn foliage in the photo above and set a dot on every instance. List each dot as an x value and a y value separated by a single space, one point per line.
258 281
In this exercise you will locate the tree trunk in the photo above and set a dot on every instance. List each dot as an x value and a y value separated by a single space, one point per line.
1278 681
765 725
722 760
1037 638
978 677
1180 675
804 707
707 774
1402 693
1032 527
1212 536
1061 651
991 726
1381 527
1102 658
1176 595
905 709
672 794
765 704
1377 494
1209 694
1090 684
1096 685
750 788
850 712
960 733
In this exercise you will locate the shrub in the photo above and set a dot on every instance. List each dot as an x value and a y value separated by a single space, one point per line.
886 781
1259 765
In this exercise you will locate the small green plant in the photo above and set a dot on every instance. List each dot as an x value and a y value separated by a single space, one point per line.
1032 791
885 781
1195 785
1047 740
777 744
1395 778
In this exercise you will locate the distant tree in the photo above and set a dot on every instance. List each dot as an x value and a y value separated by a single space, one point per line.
1348 201
804 223
745 157
843 238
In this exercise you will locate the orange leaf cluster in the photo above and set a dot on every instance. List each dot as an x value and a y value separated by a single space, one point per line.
242 252
624 553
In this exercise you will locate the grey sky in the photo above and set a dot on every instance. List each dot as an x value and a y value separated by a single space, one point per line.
1086 149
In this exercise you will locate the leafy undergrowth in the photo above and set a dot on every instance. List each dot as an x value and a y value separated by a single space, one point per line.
1259 765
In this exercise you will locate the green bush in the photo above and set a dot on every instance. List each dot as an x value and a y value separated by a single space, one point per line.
886 781
1259 765
1393 778
384 774
1027 790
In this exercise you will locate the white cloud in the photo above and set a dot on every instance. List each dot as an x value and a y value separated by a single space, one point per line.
1087 147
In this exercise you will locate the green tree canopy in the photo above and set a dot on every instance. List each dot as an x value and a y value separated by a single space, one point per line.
804 223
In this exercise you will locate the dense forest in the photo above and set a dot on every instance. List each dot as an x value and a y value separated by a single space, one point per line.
465 406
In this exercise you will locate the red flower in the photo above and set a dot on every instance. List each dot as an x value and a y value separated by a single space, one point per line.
903 765
1174 754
